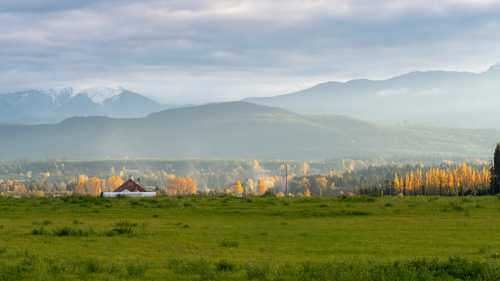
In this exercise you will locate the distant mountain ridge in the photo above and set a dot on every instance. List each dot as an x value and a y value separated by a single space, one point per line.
447 98
54 105
237 130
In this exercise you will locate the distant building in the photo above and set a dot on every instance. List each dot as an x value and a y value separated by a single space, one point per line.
130 188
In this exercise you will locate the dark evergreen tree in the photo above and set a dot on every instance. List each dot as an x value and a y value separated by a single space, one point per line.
495 172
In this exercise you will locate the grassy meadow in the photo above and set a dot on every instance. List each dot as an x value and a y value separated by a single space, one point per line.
358 238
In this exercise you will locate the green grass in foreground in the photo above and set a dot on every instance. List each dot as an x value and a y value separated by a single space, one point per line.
360 238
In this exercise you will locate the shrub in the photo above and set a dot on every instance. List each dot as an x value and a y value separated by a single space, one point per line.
70 231
125 224
136 270
229 244
64 231
38 231
92 266
225 265
123 228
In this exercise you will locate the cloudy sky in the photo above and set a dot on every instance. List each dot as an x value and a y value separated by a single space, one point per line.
184 51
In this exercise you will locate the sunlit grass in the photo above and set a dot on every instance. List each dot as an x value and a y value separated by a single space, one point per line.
243 239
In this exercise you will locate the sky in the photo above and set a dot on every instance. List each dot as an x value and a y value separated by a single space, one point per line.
190 51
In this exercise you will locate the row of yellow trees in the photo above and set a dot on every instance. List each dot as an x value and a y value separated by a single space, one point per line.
462 179
239 189
94 186
176 186
181 186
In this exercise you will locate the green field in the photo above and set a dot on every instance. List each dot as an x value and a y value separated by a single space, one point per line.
359 238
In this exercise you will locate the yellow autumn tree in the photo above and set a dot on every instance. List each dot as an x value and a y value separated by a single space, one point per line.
322 183
238 188
261 186
250 186
396 184
113 182
94 186
450 180
80 184
181 186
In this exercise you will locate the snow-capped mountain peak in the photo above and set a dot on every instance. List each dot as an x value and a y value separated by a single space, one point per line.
60 95
494 68
56 104
100 95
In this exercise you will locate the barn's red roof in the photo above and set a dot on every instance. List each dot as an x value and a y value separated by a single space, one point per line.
131 186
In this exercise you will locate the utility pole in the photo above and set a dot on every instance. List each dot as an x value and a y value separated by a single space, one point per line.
286 179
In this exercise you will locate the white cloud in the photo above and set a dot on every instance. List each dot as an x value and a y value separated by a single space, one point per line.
237 48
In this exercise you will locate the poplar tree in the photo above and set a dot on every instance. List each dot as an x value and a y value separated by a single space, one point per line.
495 171
238 188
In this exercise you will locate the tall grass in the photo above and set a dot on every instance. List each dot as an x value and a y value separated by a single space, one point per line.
71 231
31 267
123 228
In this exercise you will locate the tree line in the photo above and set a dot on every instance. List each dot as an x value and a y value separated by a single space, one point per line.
250 178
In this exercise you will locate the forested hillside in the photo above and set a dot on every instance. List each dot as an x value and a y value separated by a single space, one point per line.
237 130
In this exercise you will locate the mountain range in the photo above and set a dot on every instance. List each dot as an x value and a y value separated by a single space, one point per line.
446 98
237 130
355 119
54 105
